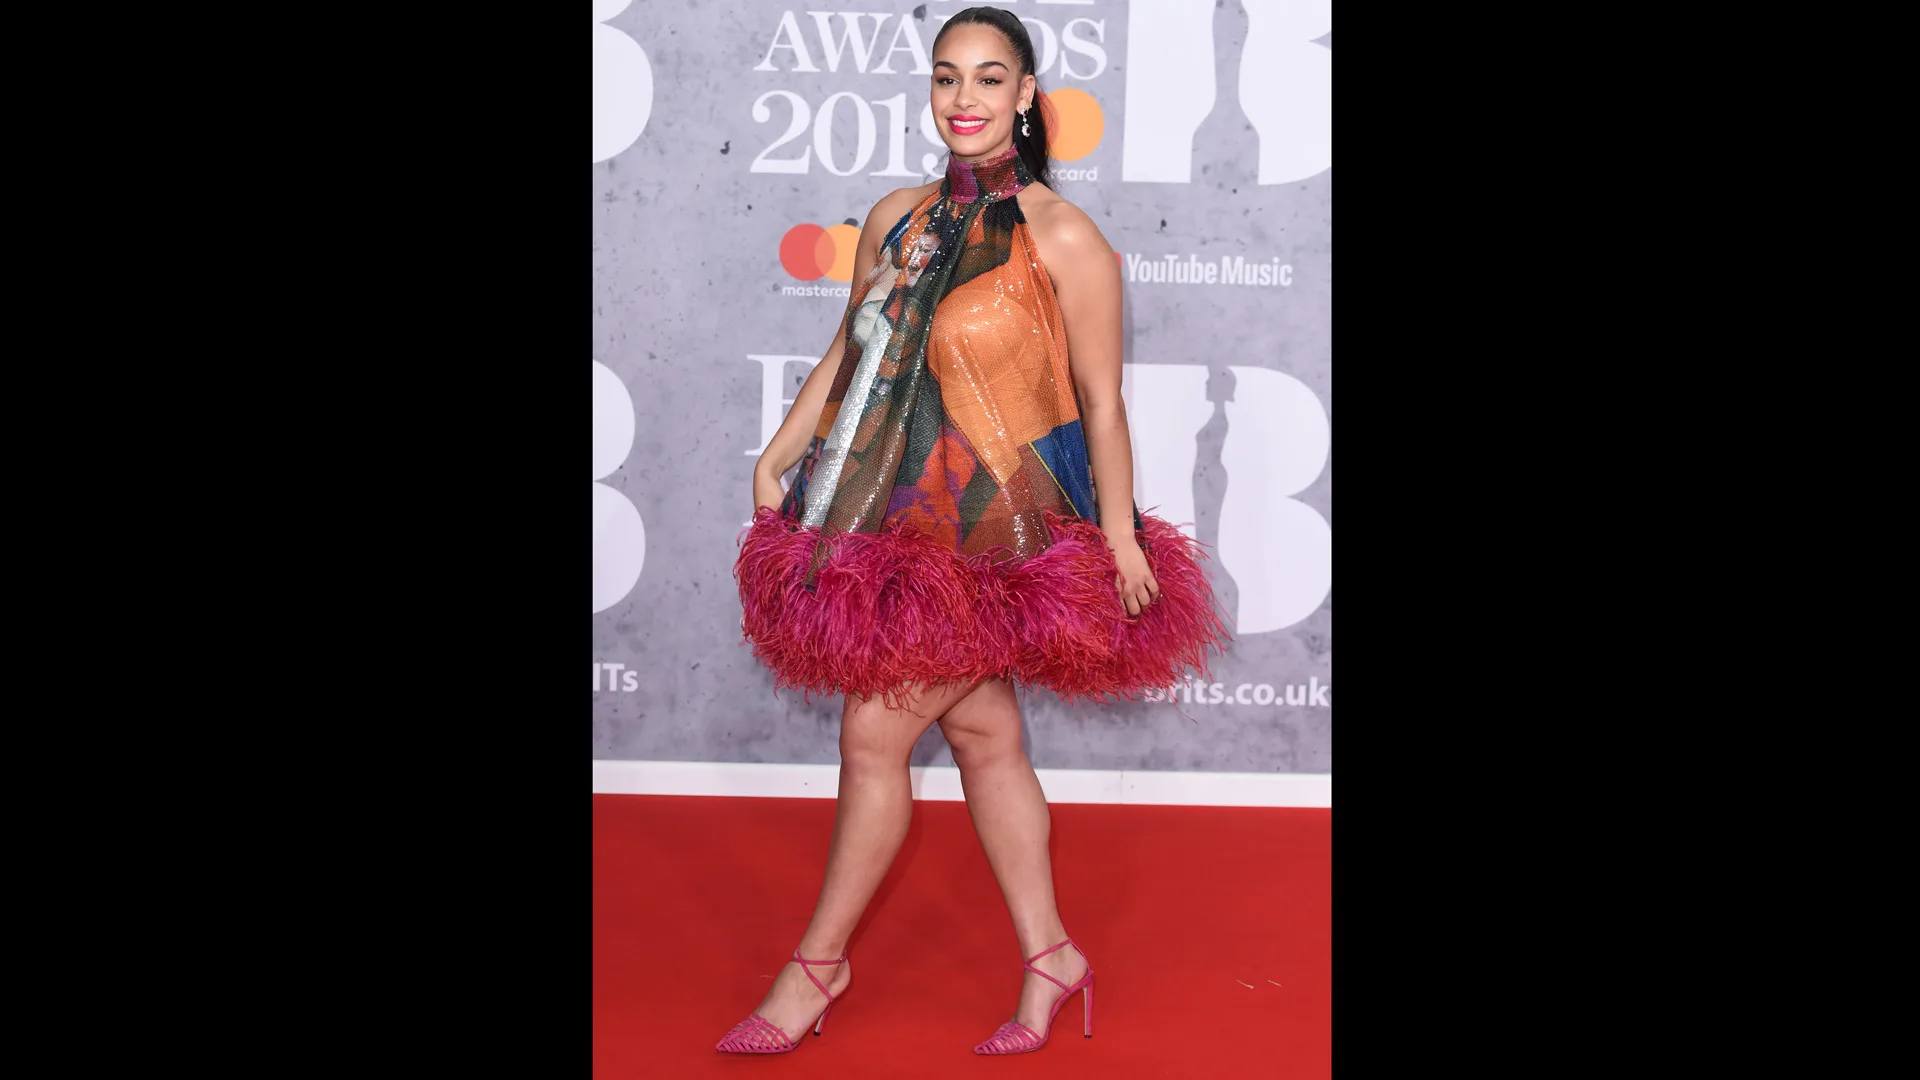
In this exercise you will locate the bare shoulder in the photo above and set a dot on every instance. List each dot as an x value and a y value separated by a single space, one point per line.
895 205
1064 235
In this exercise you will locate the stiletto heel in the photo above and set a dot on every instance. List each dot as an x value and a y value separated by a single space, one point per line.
1017 1038
758 1035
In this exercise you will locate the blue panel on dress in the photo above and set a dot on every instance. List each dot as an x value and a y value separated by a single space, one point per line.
1064 450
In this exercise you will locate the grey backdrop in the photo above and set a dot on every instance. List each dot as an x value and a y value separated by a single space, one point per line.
688 284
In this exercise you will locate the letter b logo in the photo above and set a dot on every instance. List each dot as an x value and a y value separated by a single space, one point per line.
1278 550
619 538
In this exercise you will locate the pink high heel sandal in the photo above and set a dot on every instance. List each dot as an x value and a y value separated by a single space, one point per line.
758 1035
1017 1038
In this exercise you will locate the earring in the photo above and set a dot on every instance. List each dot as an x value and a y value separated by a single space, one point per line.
1023 123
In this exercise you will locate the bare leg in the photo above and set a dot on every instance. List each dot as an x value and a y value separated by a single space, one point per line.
1010 815
870 823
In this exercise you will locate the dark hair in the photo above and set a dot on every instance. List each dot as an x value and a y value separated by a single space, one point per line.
1033 148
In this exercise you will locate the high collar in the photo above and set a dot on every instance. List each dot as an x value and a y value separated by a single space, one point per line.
988 181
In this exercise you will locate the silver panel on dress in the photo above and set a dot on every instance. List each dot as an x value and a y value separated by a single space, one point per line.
871 330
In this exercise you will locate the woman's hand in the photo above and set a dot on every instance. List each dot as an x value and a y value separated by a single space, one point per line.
1135 582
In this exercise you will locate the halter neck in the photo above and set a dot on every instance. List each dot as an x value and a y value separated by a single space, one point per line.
986 181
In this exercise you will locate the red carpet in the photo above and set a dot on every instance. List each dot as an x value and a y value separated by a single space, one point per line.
695 899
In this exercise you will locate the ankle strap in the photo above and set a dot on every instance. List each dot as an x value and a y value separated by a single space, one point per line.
808 972
1076 945
1062 945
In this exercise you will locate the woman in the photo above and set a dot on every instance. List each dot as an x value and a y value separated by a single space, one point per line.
963 518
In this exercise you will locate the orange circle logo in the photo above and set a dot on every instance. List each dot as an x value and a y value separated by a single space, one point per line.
809 252
1075 123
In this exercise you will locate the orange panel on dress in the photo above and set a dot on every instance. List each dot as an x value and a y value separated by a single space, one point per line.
995 350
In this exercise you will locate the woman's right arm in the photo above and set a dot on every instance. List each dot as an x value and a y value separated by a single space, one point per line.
789 443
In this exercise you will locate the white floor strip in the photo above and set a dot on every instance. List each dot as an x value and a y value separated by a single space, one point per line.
937 783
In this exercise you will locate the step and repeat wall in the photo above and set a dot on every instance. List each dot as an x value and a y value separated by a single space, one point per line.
737 147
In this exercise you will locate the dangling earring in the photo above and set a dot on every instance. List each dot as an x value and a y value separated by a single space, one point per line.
1023 124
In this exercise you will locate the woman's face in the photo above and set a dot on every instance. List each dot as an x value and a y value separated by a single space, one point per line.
978 91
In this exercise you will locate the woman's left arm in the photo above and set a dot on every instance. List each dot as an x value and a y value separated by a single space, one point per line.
1086 278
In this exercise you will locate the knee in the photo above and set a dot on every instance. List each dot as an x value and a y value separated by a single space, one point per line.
974 745
868 741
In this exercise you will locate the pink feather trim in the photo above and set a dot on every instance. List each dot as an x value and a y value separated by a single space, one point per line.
898 609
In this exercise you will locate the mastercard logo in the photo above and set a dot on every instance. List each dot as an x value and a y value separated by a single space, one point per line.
810 253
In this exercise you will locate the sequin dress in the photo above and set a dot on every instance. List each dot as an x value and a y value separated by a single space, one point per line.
943 523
